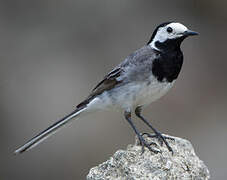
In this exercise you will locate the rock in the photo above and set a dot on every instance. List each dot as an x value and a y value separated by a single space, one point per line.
130 164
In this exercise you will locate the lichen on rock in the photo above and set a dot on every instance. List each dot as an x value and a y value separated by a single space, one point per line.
131 164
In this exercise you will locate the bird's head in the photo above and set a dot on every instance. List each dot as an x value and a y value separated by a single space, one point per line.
169 35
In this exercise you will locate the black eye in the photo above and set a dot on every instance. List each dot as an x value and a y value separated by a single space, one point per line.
169 30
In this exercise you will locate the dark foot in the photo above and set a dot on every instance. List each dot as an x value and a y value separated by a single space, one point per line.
161 139
143 143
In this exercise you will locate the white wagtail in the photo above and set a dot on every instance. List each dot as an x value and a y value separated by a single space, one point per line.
142 78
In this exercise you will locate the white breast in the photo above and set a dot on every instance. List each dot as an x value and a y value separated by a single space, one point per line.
151 92
131 95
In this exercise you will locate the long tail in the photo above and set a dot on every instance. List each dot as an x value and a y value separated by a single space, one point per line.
49 131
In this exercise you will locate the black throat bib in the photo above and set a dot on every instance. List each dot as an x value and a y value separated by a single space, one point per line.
168 65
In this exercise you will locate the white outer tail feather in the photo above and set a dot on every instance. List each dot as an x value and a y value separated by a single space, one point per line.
49 131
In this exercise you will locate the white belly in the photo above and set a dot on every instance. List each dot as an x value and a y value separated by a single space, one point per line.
131 95
152 92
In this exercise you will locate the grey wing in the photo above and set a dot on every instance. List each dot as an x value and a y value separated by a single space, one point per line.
109 82
136 67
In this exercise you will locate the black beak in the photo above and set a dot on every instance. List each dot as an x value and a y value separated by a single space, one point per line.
190 33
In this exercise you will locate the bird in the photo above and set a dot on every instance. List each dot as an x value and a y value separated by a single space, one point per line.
142 78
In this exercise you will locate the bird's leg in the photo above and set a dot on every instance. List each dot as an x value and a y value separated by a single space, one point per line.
158 135
141 139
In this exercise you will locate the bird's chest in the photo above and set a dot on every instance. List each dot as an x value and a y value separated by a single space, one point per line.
151 91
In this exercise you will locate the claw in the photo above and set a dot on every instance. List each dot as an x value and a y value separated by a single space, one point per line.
143 143
153 143
161 139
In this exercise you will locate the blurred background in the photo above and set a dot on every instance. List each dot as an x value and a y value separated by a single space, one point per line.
52 53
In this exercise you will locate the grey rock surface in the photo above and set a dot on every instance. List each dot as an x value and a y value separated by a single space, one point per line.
130 164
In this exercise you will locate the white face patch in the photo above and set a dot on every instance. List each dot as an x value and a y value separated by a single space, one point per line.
163 34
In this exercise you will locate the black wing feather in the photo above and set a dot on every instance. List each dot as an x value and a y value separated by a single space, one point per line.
109 81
